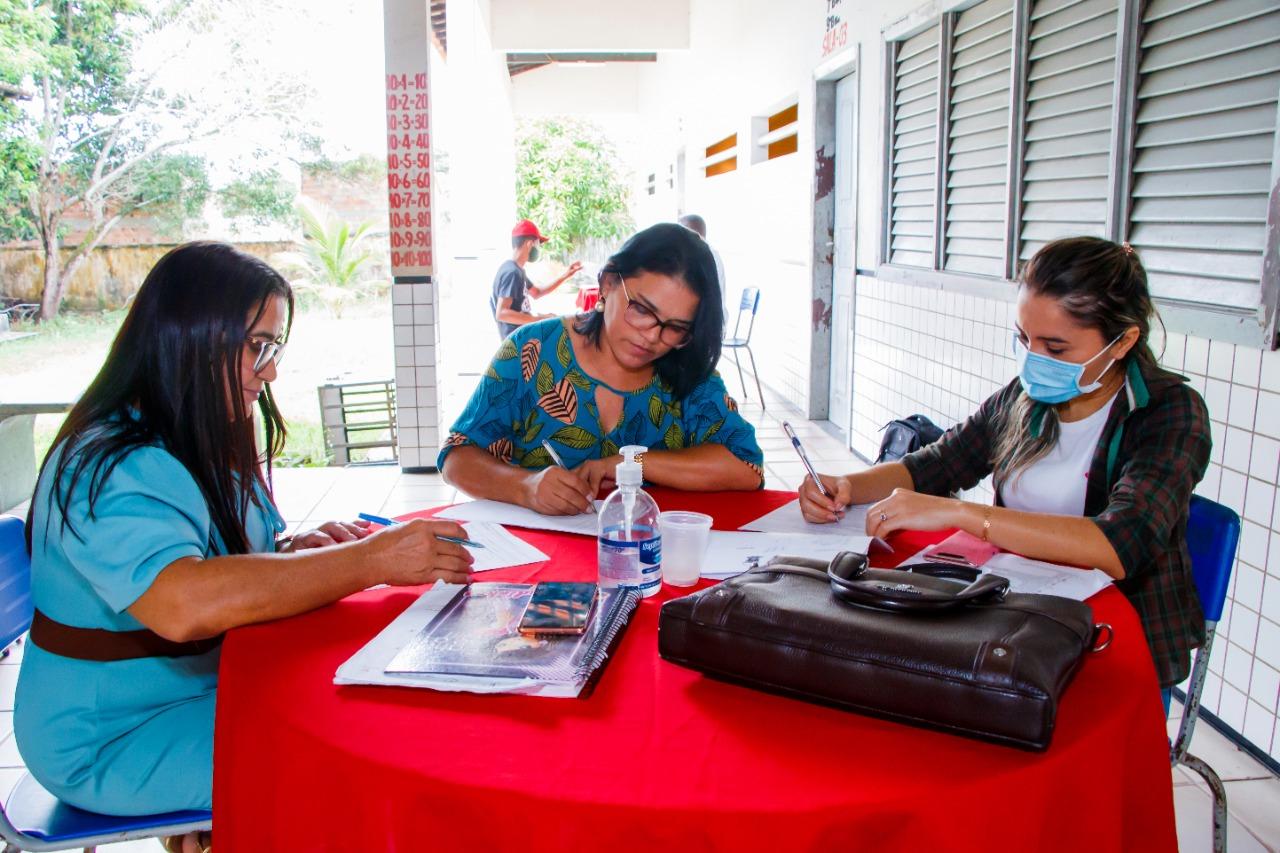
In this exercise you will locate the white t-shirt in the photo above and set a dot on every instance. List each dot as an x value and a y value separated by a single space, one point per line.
1057 482
724 294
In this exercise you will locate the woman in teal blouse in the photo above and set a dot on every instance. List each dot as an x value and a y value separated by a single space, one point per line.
152 531
637 370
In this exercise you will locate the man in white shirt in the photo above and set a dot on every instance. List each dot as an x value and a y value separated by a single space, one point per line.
698 225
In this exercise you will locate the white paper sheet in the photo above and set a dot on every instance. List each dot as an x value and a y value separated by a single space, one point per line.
499 512
368 666
787 519
502 548
1037 576
732 552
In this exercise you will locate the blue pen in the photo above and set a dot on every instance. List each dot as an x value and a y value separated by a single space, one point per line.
804 457
387 522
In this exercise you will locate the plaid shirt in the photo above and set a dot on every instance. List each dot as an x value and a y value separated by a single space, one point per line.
1139 493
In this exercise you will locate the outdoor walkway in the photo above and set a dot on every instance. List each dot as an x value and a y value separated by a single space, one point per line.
307 496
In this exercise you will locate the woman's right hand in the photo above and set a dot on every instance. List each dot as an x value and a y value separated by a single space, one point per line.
409 554
557 491
822 510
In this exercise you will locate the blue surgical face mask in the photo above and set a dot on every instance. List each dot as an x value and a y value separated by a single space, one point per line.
1049 380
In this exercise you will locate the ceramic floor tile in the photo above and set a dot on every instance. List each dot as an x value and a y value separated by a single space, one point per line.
789 468
8 684
298 490
1193 808
9 755
1256 804
9 777
395 507
436 479
424 491
1227 760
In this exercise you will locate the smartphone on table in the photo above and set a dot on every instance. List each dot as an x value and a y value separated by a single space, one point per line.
559 607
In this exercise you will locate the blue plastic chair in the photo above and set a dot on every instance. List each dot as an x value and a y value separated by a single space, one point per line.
32 818
750 302
1213 532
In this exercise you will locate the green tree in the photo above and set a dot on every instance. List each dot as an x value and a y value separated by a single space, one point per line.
571 182
335 258
262 197
25 38
113 119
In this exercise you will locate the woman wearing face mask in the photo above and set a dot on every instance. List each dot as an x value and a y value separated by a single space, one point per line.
153 531
1094 450
637 370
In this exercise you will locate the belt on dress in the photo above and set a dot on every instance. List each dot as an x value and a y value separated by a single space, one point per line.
99 644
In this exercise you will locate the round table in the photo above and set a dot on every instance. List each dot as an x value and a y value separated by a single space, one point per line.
660 756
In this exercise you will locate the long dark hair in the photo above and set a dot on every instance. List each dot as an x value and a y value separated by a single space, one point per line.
672 250
1103 286
172 379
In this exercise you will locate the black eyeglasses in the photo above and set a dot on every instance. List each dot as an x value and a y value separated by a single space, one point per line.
675 334
264 352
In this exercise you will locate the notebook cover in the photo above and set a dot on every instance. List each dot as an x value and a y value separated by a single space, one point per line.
477 634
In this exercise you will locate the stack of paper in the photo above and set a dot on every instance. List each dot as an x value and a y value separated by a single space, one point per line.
1037 576
498 512
733 552
851 528
502 548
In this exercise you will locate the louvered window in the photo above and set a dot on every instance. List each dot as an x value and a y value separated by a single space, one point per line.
978 138
915 149
1070 94
1205 137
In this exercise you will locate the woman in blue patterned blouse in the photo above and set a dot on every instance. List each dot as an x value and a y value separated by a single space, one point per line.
637 370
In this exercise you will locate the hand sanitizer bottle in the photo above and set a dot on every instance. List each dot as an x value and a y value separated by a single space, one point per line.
629 544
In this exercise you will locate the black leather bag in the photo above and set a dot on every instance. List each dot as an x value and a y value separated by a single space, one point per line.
917 647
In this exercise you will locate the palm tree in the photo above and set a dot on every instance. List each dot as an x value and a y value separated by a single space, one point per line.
334 258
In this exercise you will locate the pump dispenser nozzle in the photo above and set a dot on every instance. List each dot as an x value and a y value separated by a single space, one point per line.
629 471
629 476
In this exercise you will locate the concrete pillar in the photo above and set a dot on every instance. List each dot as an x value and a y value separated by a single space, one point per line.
410 180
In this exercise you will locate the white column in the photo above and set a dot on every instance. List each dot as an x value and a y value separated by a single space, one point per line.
410 179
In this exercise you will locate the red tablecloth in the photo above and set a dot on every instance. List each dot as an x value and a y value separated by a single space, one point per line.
659 756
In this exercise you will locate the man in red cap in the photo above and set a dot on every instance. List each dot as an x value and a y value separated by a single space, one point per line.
512 288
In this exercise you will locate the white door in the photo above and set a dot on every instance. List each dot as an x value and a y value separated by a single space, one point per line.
841 400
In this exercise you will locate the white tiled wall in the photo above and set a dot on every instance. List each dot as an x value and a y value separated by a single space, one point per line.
417 343
941 354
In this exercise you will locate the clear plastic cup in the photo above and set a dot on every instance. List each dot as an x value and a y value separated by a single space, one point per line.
684 543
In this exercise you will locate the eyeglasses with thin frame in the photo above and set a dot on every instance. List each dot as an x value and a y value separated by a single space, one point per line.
675 334
264 352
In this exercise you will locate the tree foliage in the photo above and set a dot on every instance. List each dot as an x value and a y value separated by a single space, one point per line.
262 197
571 182
121 92
334 261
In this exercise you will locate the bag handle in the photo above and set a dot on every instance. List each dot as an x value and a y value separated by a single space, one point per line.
847 574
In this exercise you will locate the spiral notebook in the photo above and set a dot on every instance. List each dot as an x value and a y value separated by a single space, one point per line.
466 639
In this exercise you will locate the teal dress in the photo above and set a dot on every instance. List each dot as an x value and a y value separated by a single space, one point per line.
535 390
132 736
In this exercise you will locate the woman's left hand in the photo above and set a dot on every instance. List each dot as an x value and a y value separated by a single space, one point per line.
597 471
329 533
908 510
